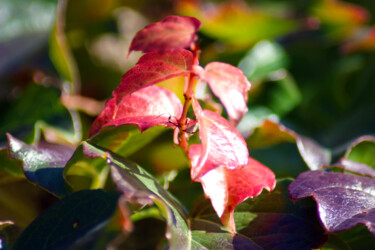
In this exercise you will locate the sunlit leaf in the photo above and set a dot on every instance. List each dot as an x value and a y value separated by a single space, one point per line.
43 164
173 32
343 200
79 220
145 108
230 85
269 221
237 23
152 68
137 186
222 145
228 187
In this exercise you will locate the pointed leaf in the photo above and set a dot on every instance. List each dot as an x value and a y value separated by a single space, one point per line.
270 133
230 85
140 187
173 32
222 145
152 68
228 187
43 164
146 107
343 200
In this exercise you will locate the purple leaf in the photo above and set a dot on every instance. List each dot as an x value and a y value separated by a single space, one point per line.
343 200
43 164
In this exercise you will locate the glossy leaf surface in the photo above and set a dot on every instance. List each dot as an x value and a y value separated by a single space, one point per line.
228 187
269 221
222 145
152 68
173 32
72 222
343 200
43 164
145 108
140 187
230 85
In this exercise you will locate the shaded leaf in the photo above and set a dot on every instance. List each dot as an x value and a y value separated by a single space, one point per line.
270 133
152 68
343 200
230 85
228 187
10 169
145 108
140 187
173 32
79 220
9 232
222 145
43 164
269 221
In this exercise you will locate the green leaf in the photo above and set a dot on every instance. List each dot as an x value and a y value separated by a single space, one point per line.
23 113
264 58
79 220
269 221
363 151
140 187
43 163
10 169
125 140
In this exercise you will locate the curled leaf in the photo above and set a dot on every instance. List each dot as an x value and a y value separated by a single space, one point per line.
230 85
173 32
153 68
228 187
146 107
222 145
343 200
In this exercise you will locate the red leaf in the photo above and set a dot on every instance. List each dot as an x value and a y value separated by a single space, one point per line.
230 85
228 187
153 68
173 32
146 107
222 144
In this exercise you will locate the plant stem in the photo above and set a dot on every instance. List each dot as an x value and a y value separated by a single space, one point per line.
188 93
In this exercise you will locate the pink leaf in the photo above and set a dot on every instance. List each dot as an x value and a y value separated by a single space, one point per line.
146 107
152 68
228 187
230 85
173 32
222 144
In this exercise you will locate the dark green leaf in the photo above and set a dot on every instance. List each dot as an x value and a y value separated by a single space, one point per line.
77 221
10 169
140 187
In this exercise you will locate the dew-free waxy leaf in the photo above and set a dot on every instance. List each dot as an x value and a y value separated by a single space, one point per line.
78 221
152 68
228 187
43 163
343 200
138 186
222 144
145 108
230 85
173 32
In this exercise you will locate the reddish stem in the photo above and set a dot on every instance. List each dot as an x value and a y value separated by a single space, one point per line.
188 93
